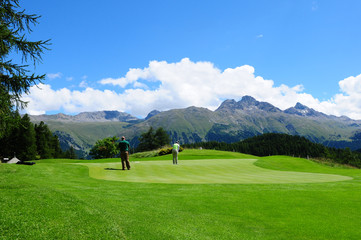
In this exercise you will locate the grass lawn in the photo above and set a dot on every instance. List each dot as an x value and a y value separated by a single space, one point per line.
209 195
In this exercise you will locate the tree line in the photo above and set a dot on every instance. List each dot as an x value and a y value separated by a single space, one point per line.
30 141
284 144
150 140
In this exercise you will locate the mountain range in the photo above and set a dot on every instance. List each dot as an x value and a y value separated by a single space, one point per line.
232 121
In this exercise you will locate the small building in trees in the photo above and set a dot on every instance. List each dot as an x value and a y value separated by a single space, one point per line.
13 160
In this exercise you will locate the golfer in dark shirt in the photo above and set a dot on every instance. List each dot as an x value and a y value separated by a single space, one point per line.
124 153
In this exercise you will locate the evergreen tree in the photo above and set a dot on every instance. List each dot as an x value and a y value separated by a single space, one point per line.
151 140
161 137
25 140
70 153
43 140
55 146
15 78
147 141
8 139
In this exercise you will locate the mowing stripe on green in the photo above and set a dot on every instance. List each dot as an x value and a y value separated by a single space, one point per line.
229 171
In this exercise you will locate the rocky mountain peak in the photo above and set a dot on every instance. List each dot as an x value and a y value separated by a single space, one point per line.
229 104
300 106
248 100
247 103
302 110
152 113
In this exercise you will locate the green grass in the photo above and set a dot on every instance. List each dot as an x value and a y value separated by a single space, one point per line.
236 171
57 200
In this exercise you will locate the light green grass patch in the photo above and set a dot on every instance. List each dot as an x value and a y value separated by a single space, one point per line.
212 171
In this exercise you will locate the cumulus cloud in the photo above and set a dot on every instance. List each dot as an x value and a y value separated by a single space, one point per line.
351 85
186 83
348 102
132 76
122 82
43 98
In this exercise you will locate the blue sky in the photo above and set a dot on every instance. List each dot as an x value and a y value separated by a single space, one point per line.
136 56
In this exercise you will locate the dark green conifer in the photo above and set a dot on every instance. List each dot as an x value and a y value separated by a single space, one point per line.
43 140
25 140
151 140
16 78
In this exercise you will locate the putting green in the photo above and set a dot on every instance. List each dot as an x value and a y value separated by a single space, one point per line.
233 171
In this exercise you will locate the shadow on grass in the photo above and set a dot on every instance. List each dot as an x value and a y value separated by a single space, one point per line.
113 169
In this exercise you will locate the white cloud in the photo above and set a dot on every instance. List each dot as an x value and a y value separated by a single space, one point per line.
122 82
83 84
43 98
348 102
140 85
52 76
131 77
351 85
186 83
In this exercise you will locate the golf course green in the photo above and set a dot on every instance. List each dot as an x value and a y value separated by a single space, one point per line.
237 171
209 195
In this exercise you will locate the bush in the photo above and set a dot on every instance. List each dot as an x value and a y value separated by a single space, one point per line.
159 152
145 154
164 151
168 150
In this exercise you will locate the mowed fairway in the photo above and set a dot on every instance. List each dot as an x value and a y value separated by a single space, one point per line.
236 171
209 195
